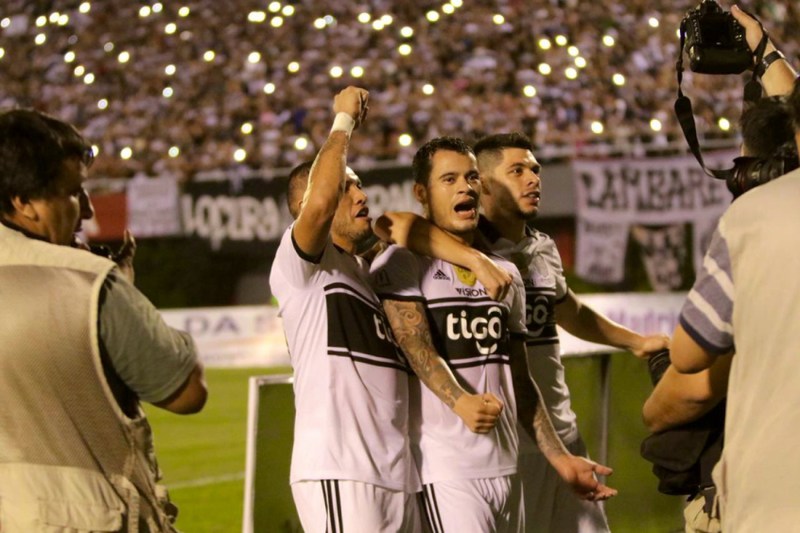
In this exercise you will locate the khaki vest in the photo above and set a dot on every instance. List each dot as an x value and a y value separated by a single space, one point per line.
70 460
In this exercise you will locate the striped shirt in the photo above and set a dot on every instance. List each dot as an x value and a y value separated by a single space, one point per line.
350 379
748 293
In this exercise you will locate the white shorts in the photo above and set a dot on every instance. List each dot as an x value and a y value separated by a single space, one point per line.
550 504
332 506
473 506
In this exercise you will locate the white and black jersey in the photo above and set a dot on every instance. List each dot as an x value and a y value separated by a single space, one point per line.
472 333
350 379
539 264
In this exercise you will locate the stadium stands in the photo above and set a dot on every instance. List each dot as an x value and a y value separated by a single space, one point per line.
186 87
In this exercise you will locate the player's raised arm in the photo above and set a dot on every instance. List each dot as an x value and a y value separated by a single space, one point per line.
327 177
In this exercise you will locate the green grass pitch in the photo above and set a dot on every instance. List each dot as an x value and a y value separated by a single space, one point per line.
203 455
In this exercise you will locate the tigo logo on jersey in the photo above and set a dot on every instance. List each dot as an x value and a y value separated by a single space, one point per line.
382 329
537 312
484 329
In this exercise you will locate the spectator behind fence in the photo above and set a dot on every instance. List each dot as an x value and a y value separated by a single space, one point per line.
81 348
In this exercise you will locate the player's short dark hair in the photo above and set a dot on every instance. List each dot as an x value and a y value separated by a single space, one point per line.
423 159
296 186
489 149
33 148
766 126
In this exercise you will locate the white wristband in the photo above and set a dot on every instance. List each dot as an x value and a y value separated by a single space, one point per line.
343 122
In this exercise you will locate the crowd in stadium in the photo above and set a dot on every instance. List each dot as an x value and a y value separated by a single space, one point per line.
196 86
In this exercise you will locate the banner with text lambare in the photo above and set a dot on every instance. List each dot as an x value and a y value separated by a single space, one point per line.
654 195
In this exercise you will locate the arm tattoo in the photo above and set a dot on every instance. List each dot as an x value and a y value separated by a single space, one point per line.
531 410
546 437
412 332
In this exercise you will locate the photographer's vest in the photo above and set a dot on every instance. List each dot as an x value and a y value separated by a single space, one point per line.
70 460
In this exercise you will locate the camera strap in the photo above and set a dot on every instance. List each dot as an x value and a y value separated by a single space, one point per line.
683 106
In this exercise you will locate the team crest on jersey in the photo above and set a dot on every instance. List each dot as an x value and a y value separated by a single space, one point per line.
467 277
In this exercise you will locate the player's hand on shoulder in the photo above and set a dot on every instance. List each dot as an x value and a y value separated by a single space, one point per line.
353 101
495 279
479 411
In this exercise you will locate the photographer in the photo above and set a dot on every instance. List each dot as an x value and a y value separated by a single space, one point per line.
81 348
697 399
746 293
691 405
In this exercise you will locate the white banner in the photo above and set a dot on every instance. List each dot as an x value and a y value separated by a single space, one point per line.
641 312
253 335
153 207
233 336
612 195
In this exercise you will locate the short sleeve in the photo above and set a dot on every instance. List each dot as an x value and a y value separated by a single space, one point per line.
291 266
555 267
151 358
516 302
394 275
707 314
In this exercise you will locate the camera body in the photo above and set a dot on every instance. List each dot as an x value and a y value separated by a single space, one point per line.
715 42
750 172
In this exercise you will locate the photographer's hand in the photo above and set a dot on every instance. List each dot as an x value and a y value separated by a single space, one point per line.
779 77
752 29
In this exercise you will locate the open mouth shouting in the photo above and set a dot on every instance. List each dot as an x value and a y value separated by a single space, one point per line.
467 208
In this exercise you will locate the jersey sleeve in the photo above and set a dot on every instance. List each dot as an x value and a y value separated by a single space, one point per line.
395 275
516 302
292 268
554 265
151 358
707 314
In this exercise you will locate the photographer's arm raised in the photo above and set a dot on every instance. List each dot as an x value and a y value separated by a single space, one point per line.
778 78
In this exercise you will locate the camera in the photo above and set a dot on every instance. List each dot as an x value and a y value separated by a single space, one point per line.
750 172
715 42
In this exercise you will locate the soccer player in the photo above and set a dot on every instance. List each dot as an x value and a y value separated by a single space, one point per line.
351 464
439 311
510 201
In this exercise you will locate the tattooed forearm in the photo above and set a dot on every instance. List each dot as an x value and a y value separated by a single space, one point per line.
531 410
547 439
412 332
